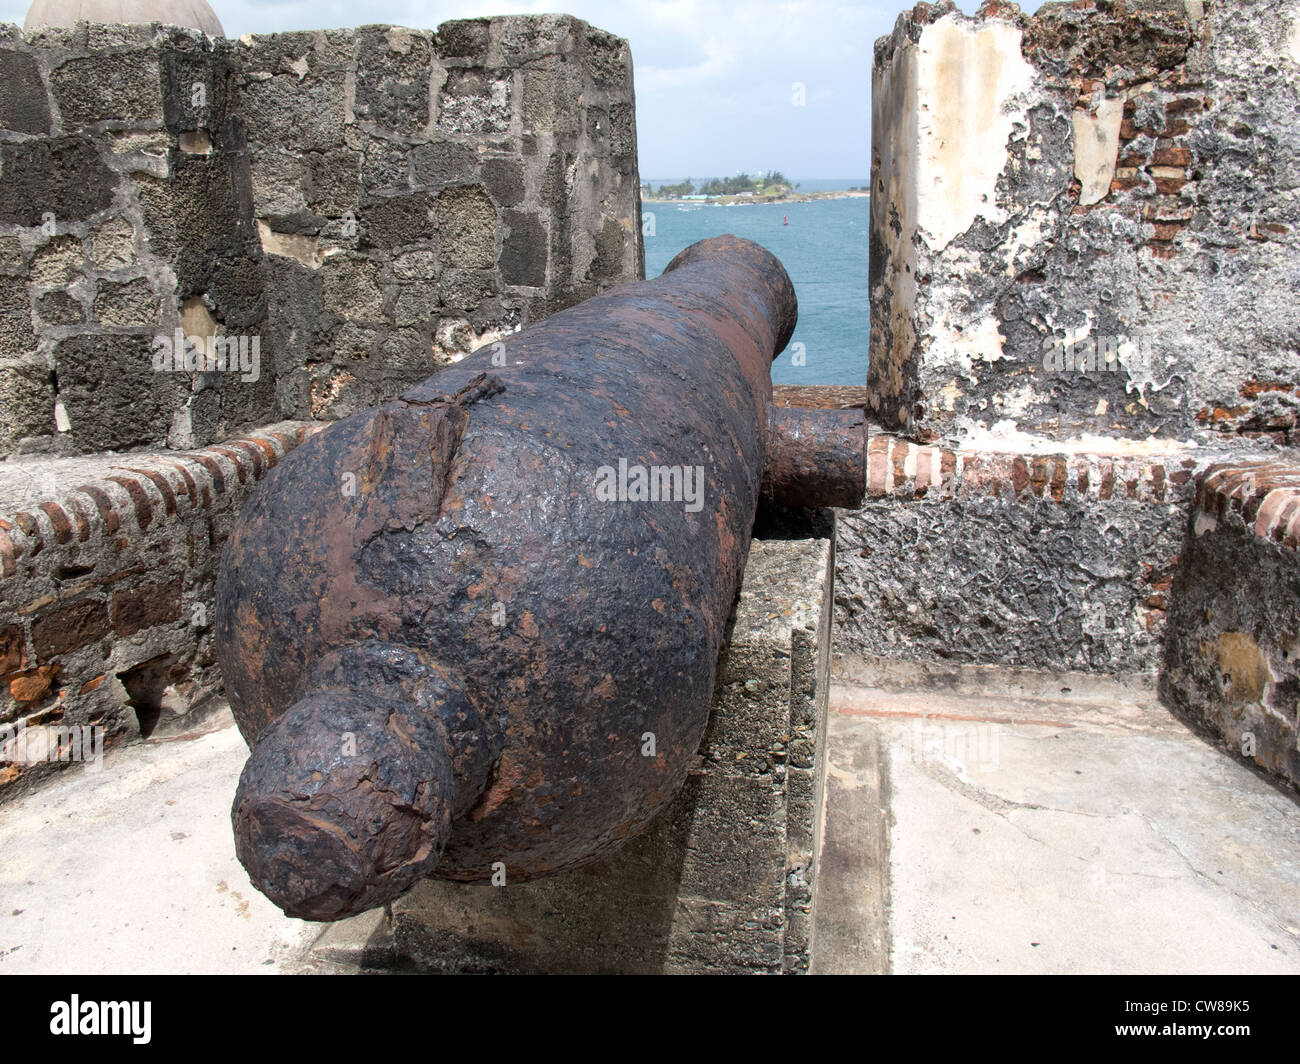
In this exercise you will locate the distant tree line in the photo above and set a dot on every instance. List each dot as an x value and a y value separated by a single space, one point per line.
686 188
726 186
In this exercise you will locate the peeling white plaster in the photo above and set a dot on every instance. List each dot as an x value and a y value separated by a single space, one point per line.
949 395
492 336
968 76
975 341
1027 236
1143 369
1003 437
1096 149
1073 335
1015 402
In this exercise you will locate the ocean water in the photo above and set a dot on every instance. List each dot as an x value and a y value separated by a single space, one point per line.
824 250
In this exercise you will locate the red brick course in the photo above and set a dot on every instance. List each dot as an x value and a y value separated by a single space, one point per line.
69 626
100 580
1266 495
905 470
145 607
150 495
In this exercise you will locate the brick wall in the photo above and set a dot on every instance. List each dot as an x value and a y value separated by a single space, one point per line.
901 469
106 579
1231 660
1050 560
1165 563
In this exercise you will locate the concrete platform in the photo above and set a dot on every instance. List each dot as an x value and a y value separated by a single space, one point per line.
131 869
1019 832
965 831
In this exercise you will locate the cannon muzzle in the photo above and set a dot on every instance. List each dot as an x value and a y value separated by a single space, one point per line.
325 833
473 633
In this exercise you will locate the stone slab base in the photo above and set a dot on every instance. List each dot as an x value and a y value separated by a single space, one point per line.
722 882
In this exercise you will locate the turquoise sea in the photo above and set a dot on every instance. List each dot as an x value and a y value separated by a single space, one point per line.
824 249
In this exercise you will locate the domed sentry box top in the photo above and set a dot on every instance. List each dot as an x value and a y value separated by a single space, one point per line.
193 14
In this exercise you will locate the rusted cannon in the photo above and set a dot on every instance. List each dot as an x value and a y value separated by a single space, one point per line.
474 632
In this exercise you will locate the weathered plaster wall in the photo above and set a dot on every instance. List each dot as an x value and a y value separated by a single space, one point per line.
364 205
1035 584
1055 560
1123 175
1230 660
1163 562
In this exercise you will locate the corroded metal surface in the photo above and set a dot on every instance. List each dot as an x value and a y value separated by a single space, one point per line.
474 632
815 457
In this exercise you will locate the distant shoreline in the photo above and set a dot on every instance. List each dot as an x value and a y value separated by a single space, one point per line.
789 197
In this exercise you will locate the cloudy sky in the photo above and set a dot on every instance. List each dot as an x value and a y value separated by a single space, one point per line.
715 79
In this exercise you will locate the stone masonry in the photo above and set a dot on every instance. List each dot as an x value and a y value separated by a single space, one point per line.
1083 275
106 574
354 207
120 224
1230 661
419 194
210 246
1053 560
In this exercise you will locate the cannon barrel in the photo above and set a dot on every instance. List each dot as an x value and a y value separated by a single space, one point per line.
474 631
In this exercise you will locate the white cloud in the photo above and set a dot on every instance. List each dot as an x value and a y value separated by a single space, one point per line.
719 63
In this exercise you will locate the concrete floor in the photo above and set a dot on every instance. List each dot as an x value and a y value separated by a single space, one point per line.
131 868
965 832
1024 833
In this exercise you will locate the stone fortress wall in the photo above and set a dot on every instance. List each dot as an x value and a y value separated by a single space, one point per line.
1085 353
326 217
367 204
1083 363
1118 177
